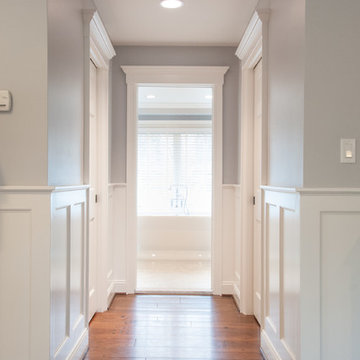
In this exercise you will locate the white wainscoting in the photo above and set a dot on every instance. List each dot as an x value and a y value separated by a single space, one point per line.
311 274
330 274
228 238
281 282
24 273
43 259
69 327
237 246
117 236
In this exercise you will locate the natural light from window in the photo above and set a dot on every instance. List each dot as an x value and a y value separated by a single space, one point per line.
174 164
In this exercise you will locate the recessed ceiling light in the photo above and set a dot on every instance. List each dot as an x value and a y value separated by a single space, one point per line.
150 96
171 4
209 97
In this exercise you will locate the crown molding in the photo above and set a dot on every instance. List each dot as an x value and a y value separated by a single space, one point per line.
253 33
100 37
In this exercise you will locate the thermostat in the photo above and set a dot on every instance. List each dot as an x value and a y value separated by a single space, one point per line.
5 100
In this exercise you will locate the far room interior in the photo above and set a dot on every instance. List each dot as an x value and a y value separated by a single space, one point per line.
174 188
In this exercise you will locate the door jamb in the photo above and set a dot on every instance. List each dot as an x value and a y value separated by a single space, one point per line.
253 47
98 48
212 76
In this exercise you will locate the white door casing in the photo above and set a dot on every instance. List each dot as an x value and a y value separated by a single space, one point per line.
209 76
252 48
100 50
257 191
93 208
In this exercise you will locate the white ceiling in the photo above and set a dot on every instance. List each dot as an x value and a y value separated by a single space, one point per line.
174 97
198 22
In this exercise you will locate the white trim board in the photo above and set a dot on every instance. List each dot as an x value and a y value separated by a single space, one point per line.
40 189
252 48
312 191
209 76
98 48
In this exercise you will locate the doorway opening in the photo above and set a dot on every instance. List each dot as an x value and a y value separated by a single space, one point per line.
174 188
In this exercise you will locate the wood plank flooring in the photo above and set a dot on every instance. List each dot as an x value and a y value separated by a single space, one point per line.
173 327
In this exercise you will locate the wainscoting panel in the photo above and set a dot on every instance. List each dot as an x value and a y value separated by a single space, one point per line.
281 329
340 285
228 239
330 275
15 259
24 273
117 236
237 245
68 274
312 267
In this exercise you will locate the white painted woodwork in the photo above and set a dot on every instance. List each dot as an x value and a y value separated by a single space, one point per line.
117 220
228 238
68 256
257 216
330 277
99 49
311 267
252 48
93 181
237 245
43 250
281 324
211 76
24 273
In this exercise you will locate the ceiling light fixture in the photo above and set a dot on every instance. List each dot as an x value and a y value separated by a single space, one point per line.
150 96
208 97
171 4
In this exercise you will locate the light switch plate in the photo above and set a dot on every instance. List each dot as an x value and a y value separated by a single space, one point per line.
348 151
5 100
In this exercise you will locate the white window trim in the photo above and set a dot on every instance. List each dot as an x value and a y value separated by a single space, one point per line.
209 76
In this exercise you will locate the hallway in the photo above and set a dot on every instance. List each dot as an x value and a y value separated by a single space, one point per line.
173 327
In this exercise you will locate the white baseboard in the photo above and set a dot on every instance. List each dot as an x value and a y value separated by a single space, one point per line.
227 288
174 255
80 347
118 286
236 295
110 293
267 348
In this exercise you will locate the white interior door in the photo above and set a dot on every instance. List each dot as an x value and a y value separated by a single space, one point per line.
257 191
93 180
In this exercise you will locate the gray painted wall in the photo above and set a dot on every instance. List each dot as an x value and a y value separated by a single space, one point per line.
23 71
286 92
65 92
332 91
196 56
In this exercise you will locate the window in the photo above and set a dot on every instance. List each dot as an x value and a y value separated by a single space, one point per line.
174 168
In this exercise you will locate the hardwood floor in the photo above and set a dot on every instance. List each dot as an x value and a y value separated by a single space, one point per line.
173 327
